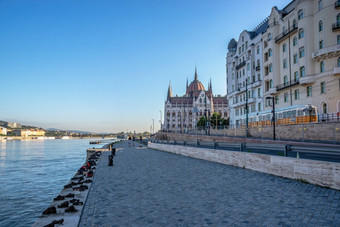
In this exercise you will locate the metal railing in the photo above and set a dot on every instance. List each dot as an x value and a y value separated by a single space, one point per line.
323 153
293 28
286 85
335 26
337 4
240 65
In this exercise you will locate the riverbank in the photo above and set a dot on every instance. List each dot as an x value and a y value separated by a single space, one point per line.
66 208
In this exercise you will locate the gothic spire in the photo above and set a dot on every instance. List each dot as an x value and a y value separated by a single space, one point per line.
169 91
196 78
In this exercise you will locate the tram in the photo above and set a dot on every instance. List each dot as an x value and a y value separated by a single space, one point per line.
298 114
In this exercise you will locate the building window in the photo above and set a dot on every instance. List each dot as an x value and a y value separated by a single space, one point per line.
322 66
248 67
233 75
323 88
296 94
269 36
253 93
233 88
302 71
338 62
285 80
270 68
270 52
338 39
320 5
270 83
309 91
296 76
246 44
258 50
242 47
285 97
239 50
324 108
294 23
295 59
302 52
259 107
284 63
300 14
284 47
259 92
301 33
258 77
320 26
294 41
242 38
320 44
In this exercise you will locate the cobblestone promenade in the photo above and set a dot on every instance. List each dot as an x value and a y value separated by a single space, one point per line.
151 188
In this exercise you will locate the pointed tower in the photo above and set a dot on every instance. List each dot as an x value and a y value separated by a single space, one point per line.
169 92
196 77
186 91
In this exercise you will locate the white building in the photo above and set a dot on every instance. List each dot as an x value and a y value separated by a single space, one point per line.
244 72
179 114
300 63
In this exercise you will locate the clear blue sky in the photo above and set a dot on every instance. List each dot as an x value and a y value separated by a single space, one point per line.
105 65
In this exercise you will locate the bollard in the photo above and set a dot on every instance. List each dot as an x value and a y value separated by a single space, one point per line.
215 145
110 160
242 147
287 148
113 151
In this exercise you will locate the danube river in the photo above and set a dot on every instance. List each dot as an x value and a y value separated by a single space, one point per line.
32 173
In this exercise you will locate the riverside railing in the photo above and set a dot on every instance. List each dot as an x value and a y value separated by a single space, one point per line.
322 152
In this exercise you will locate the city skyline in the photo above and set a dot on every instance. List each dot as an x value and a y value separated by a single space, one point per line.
106 66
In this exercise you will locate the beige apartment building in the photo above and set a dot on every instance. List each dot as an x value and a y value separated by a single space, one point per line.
301 60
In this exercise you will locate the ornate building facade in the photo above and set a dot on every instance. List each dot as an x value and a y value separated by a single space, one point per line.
293 57
181 113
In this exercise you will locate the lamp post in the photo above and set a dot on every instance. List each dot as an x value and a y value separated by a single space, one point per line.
160 121
205 114
247 108
153 126
273 118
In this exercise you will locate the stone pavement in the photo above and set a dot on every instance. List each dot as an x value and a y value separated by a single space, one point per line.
152 188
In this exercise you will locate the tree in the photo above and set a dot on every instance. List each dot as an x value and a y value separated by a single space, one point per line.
215 119
201 122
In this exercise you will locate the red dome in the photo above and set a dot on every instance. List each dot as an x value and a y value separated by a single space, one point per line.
196 85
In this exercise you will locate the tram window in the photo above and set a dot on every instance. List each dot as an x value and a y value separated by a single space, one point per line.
260 118
284 114
294 113
280 115
268 117
312 112
300 113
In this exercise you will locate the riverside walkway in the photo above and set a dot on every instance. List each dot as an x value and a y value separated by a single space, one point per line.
146 187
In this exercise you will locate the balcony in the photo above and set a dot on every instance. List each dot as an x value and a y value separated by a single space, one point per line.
337 5
271 91
286 85
240 65
257 68
307 80
328 52
286 33
256 83
336 26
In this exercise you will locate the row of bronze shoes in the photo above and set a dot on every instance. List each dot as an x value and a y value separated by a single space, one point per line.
85 172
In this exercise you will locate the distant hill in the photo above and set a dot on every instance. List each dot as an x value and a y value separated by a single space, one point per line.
73 131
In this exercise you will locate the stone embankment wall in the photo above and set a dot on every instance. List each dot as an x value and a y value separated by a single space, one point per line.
321 173
329 131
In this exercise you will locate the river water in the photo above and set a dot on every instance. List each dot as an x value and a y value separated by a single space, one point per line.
32 173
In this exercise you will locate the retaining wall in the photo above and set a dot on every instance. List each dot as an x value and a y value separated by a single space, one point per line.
321 173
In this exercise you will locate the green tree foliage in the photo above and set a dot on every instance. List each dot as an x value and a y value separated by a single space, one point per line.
215 118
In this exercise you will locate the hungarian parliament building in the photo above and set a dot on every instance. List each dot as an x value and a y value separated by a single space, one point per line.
181 113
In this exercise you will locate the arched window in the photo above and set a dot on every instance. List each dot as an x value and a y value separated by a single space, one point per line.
258 62
270 53
294 23
324 108
285 80
320 5
320 26
338 62
301 33
300 14
338 19
296 76
284 47
294 41
322 66
302 71
269 36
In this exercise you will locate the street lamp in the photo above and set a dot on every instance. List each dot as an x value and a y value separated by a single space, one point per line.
153 126
160 119
273 118
247 108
